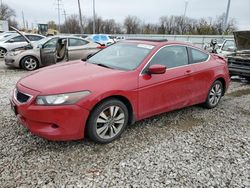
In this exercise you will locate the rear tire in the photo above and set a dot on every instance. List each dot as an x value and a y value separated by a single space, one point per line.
214 95
2 52
107 121
29 63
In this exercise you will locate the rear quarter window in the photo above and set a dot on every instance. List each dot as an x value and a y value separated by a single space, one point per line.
198 56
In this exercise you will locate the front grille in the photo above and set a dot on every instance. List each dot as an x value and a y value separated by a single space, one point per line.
239 62
22 97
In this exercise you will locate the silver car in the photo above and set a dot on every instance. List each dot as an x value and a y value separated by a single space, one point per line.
50 51
16 40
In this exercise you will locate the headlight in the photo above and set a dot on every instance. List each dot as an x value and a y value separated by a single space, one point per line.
66 98
14 53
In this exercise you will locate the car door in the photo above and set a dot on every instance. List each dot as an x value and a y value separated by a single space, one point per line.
48 52
171 90
80 48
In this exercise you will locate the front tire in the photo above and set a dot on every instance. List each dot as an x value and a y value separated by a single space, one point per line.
214 95
107 121
29 63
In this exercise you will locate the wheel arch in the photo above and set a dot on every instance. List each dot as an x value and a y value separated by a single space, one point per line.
121 98
223 81
3 48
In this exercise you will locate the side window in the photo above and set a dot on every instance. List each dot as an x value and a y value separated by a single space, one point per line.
77 42
198 56
33 37
171 56
51 43
18 39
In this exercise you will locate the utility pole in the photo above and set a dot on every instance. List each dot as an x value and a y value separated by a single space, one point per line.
80 16
185 10
227 14
65 20
93 16
65 15
58 4
23 20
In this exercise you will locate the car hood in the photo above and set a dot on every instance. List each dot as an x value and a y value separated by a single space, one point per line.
70 77
27 47
242 40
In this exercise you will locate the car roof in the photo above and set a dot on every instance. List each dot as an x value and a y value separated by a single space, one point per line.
156 42
160 42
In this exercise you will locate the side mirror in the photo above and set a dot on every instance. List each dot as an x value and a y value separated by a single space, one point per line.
89 56
157 69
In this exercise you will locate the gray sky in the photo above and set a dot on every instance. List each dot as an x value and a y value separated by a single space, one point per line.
41 11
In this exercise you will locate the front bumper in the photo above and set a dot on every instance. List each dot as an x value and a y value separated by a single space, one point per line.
58 123
11 61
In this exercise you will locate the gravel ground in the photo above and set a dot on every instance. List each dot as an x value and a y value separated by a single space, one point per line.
192 147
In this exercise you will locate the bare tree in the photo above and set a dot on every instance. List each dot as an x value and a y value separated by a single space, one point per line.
52 25
6 12
13 23
71 25
132 24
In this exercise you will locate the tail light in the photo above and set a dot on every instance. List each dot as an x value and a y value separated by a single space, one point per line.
101 47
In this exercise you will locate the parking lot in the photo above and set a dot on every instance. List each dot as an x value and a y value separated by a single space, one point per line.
186 148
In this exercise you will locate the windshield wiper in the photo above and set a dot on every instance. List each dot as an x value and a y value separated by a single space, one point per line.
102 65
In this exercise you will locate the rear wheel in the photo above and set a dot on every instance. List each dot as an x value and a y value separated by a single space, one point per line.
107 121
29 63
214 95
2 52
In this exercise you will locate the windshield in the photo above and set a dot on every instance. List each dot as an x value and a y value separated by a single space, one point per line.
42 41
228 44
124 56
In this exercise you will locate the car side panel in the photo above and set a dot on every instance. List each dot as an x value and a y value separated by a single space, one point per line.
164 92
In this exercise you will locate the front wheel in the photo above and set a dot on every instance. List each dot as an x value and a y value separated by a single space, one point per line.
214 94
29 63
107 121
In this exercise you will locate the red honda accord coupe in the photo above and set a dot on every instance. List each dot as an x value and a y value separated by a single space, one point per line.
126 82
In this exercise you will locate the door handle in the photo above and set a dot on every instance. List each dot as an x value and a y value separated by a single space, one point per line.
188 71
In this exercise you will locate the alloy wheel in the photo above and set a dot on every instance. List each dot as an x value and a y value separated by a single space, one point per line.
215 94
30 64
110 122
